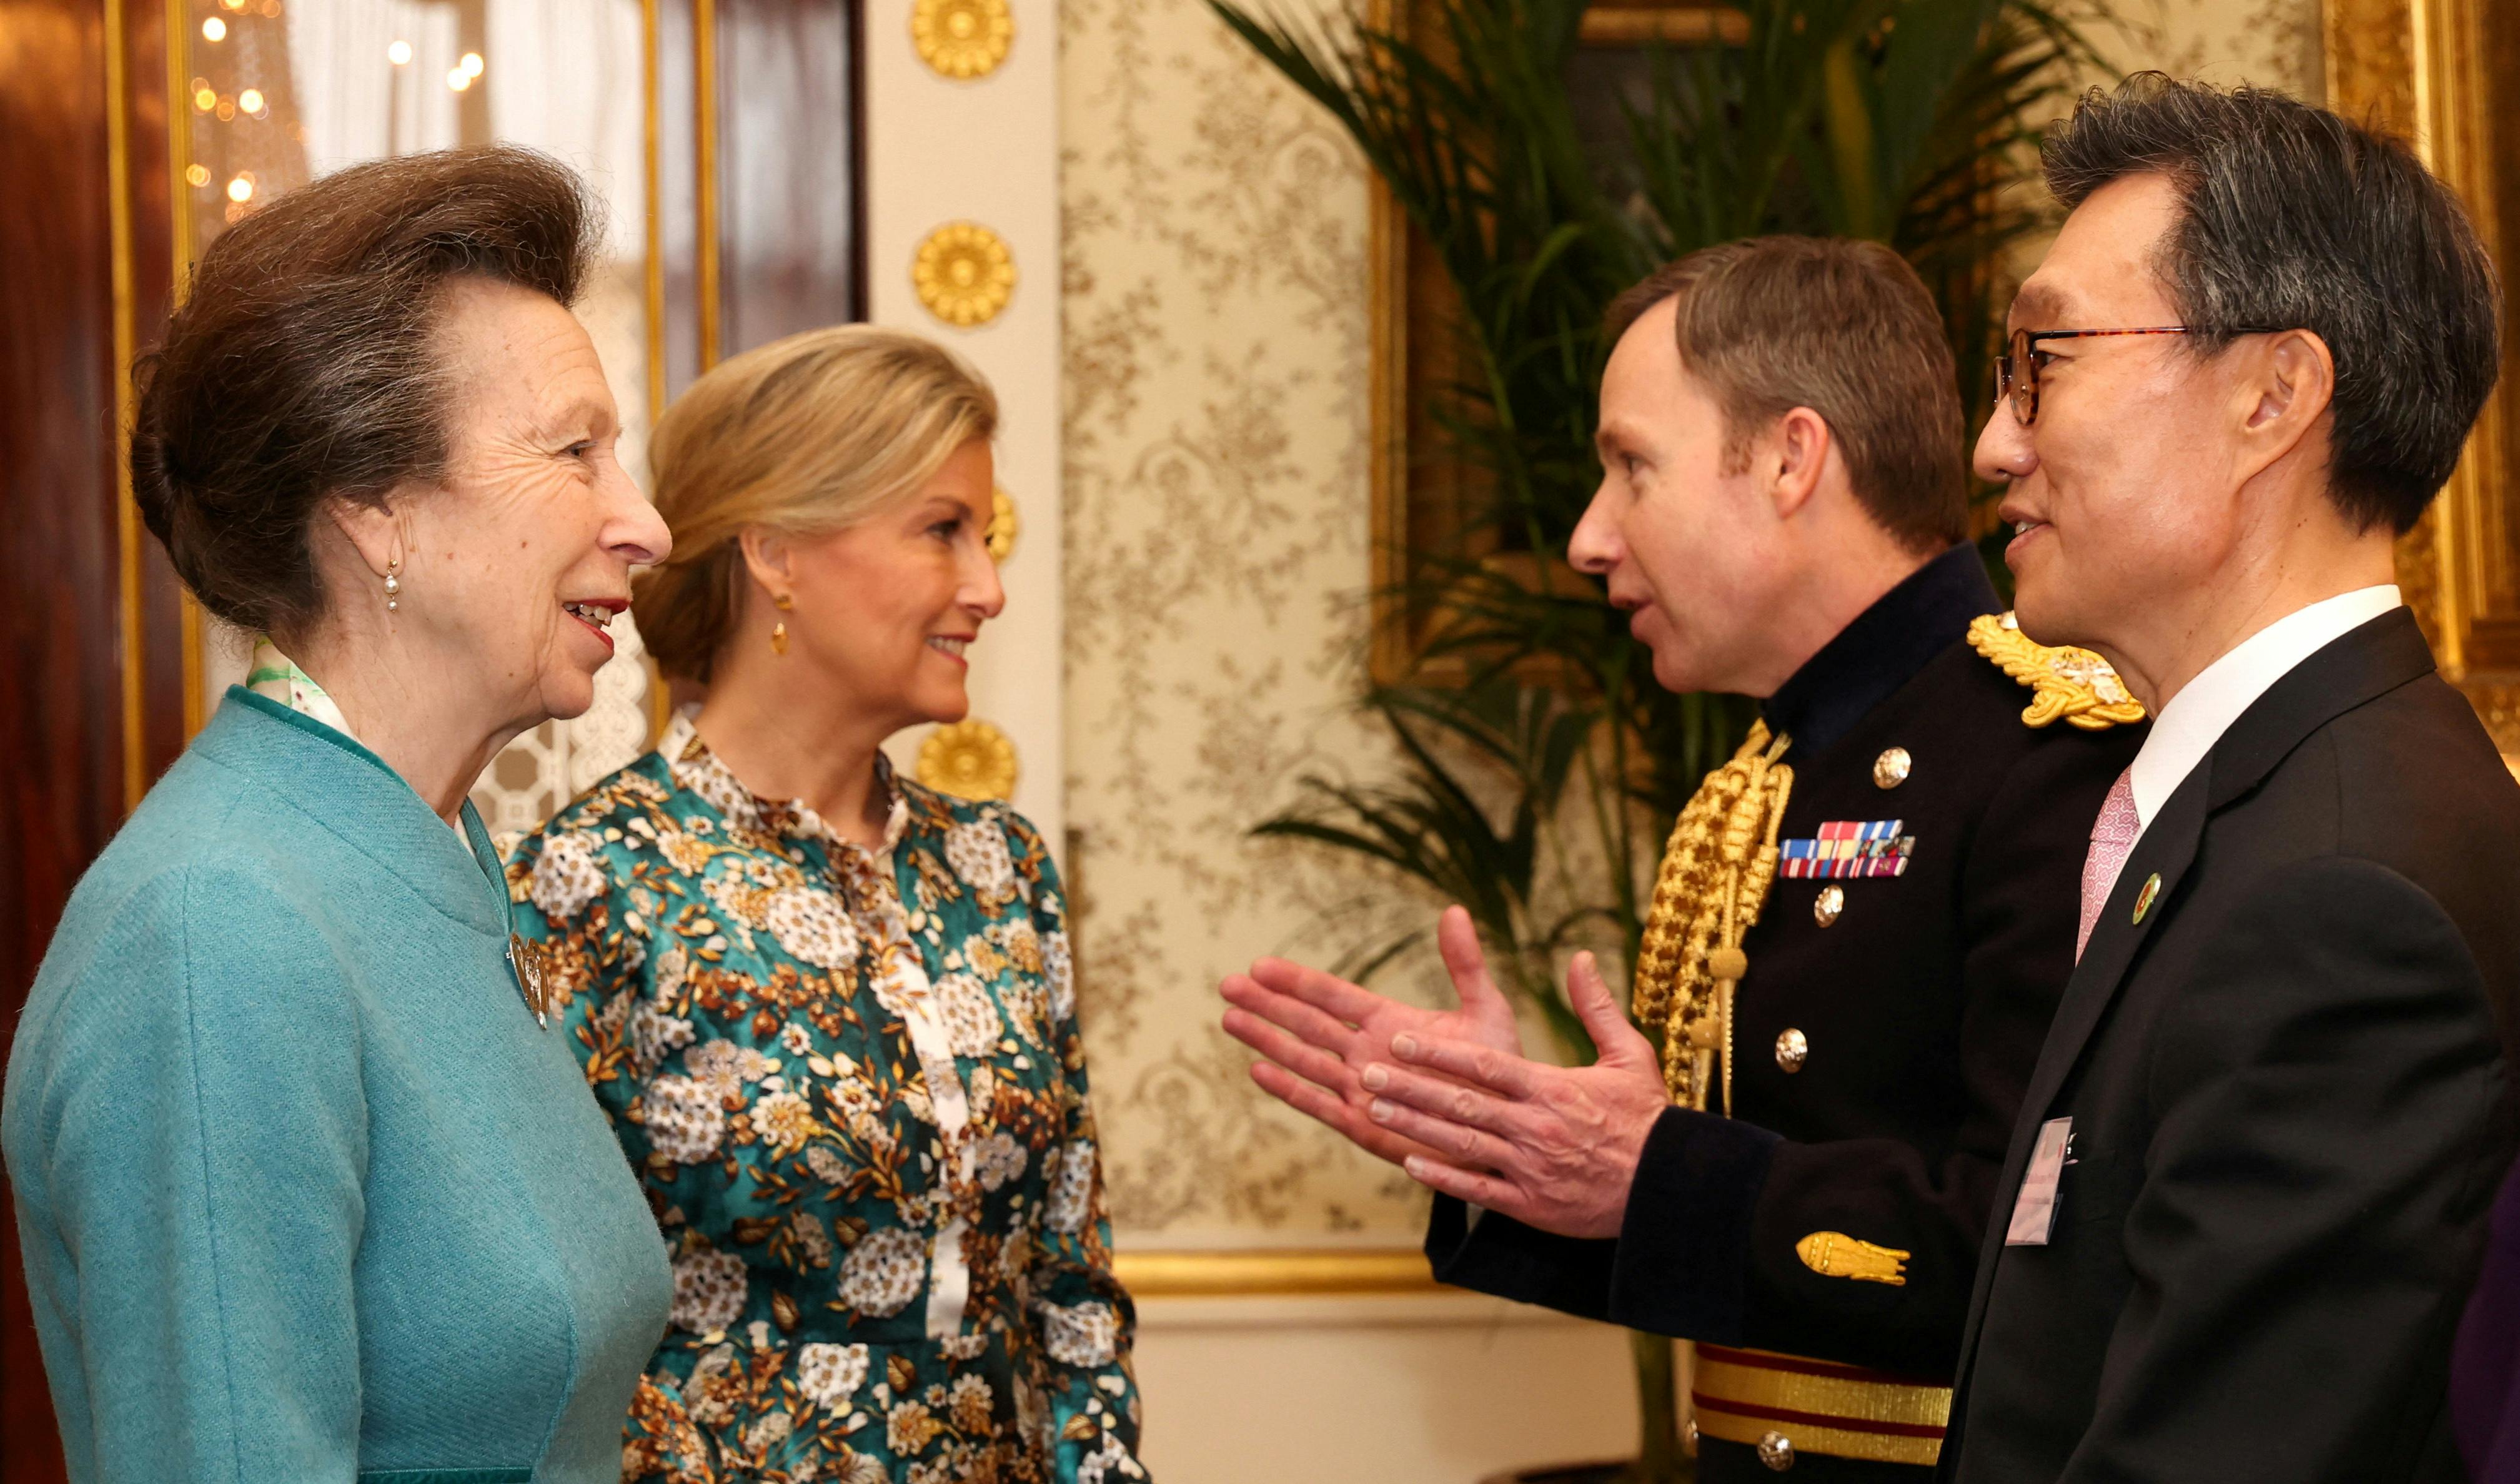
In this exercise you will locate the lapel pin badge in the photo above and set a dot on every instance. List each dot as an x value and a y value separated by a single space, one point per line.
2143 898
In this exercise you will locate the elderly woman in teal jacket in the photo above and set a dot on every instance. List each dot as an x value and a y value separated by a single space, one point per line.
306 1187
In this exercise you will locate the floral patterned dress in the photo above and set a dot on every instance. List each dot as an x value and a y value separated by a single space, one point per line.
852 1086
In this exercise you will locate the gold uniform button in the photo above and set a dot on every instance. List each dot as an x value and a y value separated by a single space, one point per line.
1828 904
1892 767
1776 1451
1791 1049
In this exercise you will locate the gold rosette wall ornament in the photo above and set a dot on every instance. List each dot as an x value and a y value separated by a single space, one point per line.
968 759
962 39
964 274
1004 525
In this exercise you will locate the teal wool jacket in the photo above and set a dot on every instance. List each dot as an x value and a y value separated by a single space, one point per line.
304 1194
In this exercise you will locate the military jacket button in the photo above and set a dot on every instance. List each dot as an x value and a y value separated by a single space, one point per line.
1892 767
1776 1451
1791 1048
1828 904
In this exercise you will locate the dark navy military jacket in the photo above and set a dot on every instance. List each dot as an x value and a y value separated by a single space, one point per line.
1918 1004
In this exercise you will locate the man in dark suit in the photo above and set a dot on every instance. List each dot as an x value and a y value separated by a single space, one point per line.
1782 511
2248 1188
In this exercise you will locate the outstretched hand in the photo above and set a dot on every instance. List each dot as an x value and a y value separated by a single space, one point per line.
1320 1032
1552 1147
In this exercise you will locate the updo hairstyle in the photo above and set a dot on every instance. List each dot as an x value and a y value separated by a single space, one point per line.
804 436
301 366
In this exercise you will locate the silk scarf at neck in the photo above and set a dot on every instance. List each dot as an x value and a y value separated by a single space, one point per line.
275 675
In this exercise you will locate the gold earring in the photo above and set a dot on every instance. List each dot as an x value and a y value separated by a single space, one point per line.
393 584
779 630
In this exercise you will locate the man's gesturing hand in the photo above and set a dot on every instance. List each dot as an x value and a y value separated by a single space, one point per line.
1553 1148
1319 1031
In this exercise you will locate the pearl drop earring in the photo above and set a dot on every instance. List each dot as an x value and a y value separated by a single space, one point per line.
393 584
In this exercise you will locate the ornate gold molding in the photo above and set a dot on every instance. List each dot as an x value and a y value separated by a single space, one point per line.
1005 525
1612 23
1286 1272
962 39
968 759
704 178
2420 66
963 273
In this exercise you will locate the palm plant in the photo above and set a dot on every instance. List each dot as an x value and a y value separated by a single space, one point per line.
1539 761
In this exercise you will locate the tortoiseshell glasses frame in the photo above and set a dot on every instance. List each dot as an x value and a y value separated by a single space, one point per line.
2016 374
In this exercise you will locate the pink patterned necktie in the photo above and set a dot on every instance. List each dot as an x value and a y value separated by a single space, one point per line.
2112 839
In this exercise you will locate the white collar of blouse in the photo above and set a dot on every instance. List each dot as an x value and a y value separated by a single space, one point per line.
695 768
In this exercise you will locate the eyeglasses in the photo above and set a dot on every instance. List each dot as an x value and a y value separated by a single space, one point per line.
2016 376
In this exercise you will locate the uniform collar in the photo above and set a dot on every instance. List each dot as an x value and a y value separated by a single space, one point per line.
1881 650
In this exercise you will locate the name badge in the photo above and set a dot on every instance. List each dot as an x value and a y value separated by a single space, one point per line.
2034 1208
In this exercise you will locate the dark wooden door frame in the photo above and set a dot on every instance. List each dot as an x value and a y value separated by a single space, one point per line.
91 630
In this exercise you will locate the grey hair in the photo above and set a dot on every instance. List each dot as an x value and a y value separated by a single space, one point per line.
2294 217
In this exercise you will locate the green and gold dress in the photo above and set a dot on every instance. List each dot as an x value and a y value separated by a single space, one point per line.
851 1083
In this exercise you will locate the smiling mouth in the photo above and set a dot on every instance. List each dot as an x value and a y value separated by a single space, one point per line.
945 646
597 617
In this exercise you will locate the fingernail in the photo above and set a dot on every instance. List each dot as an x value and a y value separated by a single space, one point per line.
1381 1110
1376 1077
1406 1046
1415 1166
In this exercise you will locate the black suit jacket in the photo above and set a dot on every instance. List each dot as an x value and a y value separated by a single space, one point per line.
2290 1102
1922 1001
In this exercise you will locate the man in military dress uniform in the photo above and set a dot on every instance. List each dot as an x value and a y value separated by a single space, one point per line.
1861 924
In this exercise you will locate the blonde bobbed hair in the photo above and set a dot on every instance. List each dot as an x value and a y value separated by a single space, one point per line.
803 436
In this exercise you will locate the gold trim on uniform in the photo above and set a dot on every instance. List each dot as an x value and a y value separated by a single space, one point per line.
1715 875
2075 685
1744 1396
1834 1254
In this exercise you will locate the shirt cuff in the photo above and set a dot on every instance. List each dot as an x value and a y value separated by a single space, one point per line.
1683 1254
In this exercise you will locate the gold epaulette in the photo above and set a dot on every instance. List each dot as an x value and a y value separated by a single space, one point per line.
2073 684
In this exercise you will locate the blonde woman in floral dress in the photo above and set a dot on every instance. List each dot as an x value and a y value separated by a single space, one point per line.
831 1013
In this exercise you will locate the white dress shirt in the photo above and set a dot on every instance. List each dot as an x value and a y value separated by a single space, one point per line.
2205 707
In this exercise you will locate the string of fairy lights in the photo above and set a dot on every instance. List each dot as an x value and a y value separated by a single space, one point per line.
248 141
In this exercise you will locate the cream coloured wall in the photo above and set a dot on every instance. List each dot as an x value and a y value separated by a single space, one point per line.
1215 368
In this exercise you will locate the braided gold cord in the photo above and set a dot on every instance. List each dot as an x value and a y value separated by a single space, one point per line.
1716 870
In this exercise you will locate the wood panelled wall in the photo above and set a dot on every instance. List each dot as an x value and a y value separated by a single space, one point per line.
76 585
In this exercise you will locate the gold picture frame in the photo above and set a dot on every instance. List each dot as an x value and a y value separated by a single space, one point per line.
2420 66
1416 501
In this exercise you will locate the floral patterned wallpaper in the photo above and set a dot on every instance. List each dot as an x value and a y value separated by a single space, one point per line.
1216 370
1215 469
